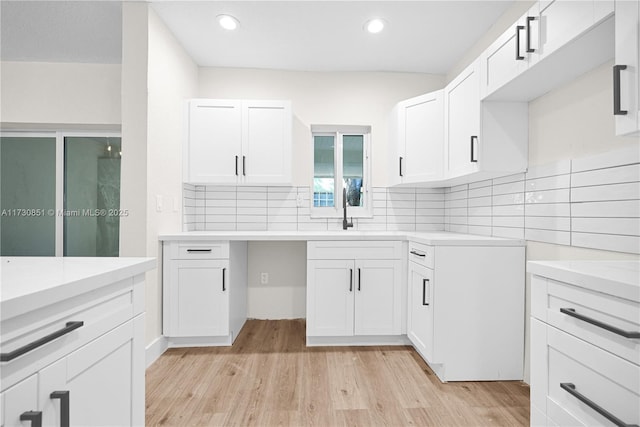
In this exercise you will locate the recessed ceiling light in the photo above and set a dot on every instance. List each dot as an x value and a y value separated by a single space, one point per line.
227 22
375 25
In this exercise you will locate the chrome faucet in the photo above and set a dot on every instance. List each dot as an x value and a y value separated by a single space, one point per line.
345 224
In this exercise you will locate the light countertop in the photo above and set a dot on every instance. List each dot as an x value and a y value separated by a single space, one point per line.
429 238
27 283
620 278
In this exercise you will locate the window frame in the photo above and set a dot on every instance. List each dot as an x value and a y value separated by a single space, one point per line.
339 131
60 136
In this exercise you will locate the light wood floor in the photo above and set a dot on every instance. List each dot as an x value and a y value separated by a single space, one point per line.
268 378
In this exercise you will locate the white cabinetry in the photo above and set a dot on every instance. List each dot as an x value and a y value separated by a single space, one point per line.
483 139
238 142
83 361
466 310
585 343
417 139
204 292
354 288
626 77
512 53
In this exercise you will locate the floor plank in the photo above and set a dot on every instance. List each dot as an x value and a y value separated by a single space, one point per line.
270 378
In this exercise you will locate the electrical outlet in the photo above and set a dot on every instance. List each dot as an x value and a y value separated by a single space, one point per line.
264 278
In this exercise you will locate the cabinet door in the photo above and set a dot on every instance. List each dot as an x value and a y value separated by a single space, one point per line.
462 110
377 300
266 142
627 54
563 20
100 381
330 294
214 149
19 399
199 298
420 319
423 138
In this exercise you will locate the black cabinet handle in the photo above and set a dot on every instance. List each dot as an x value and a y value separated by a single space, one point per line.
236 165
35 417
400 167
418 254
518 29
571 389
64 406
224 283
424 291
244 165
69 326
627 334
474 142
198 250
359 279
529 20
617 110
351 280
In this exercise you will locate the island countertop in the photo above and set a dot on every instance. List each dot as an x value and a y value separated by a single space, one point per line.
28 283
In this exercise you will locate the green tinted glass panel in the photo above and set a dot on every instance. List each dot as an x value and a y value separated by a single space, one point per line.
323 171
92 196
353 167
27 196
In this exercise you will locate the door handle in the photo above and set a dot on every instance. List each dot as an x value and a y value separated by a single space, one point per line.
359 279
35 417
518 29
224 285
400 167
64 406
474 142
617 109
530 19
424 291
351 280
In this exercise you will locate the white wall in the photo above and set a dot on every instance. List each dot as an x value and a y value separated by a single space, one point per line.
60 94
172 78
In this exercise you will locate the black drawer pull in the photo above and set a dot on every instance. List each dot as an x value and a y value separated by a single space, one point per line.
529 20
70 326
224 283
418 254
627 334
351 280
64 406
359 279
34 417
518 29
571 389
198 250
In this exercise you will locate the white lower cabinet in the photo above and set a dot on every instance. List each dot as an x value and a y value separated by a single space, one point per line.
585 344
204 292
83 361
354 289
466 310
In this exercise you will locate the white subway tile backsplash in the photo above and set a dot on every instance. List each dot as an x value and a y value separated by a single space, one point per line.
592 202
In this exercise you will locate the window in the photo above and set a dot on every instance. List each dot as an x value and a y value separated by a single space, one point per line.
341 166
60 194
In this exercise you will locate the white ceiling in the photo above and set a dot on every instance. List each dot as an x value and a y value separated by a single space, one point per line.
421 36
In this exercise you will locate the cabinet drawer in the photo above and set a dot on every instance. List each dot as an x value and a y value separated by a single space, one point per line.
101 311
355 249
578 370
421 254
199 250
575 310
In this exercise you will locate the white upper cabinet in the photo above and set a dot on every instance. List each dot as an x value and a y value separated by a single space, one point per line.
238 142
417 139
485 139
512 52
462 130
626 86
550 45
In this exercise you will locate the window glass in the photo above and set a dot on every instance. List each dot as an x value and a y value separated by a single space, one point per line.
323 171
27 196
92 196
353 168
